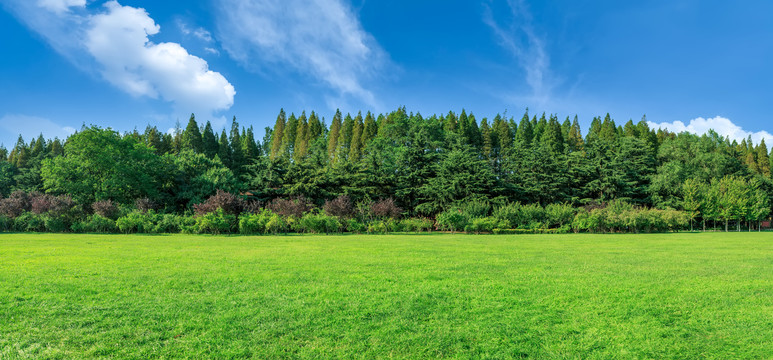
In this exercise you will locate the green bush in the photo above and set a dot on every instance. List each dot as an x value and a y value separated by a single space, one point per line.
276 224
314 222
217 222
255 223
452 220
355 226
56 224
172 224
95 224
416 225
137 222
6 223
482 225
29 222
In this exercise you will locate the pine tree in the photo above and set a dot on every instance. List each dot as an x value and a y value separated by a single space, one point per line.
540 127
552 138
525 133
55 150
250 146
237 153
224 149
315 127
288 138
355 148
565 127
574 141
210 141
488 140
332 136
277 135
763 159
301 139
191 137
370 129
345 138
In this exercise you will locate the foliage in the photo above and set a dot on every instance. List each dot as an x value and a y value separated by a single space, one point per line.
217 222
227 202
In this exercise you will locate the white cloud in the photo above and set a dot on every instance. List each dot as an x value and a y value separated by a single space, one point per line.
118 39
321 38
60 6
519 37
116 42
721 125
30 127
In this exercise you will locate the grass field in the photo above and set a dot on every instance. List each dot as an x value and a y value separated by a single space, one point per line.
407 296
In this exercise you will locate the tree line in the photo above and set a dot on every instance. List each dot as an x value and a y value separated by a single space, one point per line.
444 172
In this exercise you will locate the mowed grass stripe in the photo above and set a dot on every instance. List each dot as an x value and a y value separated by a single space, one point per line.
397 296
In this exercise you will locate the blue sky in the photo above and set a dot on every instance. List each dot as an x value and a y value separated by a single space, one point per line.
687 65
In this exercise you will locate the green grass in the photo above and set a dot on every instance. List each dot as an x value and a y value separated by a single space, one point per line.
407 296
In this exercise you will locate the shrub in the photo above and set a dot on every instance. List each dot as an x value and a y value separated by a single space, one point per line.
31 222
137 222
255 223
229 203
559 214
16 203
290 207
172 224
106 208
355 226
482 225
145 204
55 224
318 223
6 223
217 222
475 208
386 208
340 206
95 224
276 224
416 225
451 220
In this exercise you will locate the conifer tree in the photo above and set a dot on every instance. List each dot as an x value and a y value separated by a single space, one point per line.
552 138
301 148
574 141
315 127
191 137
763 159
525 133
288 138
488 140
224 149
355 148
332 136
277 135
345 138
370 129
237 151
210 141
250 146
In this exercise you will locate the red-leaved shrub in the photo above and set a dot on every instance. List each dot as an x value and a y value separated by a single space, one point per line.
340 206
290 207
386 208
106 208
15 204
230 203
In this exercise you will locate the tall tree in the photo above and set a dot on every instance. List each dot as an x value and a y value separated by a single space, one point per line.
191 137
277 135
210 141
332 136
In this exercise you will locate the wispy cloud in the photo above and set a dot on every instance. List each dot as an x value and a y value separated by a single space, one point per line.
323 39
515 32
723 126
116 41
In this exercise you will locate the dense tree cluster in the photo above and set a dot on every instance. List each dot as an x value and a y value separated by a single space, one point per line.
379 167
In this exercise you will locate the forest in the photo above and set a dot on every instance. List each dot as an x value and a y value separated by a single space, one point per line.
395 172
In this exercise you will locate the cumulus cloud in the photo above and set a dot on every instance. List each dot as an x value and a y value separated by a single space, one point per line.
721 125
116 42
322 39
29 127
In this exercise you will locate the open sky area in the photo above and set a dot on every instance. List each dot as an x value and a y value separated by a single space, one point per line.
687 64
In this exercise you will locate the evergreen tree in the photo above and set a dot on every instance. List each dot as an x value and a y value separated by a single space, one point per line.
370 129
301 138
345 138
332 136
524 134
191 137
277 135
237 151
488 139
250 146
224 149
210 141
552 138
355 148
315 127
574 141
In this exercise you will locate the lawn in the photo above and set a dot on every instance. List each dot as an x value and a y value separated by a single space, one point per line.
398 296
